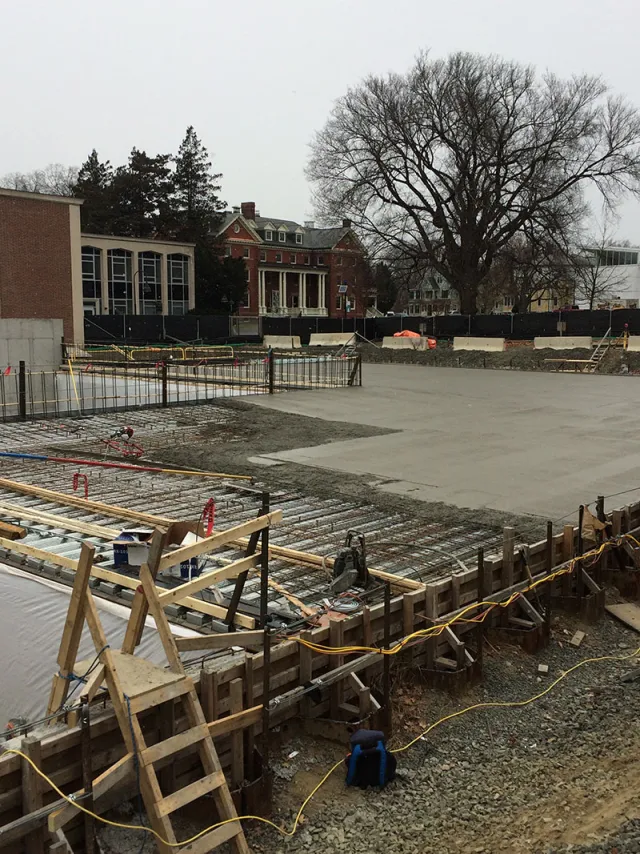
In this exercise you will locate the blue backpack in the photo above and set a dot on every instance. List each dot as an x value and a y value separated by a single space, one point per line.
369 763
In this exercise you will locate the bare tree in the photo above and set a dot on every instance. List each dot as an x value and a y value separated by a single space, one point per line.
55 179
596 279
446 163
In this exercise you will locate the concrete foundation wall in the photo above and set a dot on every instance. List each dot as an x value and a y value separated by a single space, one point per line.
405 343
487 345
634 343
282 342
563 342
331 339
36 342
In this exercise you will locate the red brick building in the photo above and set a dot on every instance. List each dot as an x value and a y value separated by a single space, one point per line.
297 269
40 268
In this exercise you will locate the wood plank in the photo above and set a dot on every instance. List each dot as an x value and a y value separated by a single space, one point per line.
173 745
160 695
239 720
118 774
214 839
139 606
10 531
176 594
237 740
190 793
162 625
327 563
627 612
222 640
215 541
528 608
216 611
32 793
84 503
18 511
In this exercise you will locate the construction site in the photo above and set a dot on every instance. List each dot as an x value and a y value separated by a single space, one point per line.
221 567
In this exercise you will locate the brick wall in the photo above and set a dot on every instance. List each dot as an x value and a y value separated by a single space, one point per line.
35 260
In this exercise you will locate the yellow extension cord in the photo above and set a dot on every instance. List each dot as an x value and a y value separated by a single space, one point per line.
421 634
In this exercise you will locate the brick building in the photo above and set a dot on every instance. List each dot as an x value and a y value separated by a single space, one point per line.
49 269
297 269
40 269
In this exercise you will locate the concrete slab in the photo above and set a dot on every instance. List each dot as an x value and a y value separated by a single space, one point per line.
513 441
282 342
563 342
486 345
405 343
331 339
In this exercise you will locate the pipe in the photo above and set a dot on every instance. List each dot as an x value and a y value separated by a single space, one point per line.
111 465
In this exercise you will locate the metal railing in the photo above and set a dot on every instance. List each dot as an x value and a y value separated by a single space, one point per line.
84 389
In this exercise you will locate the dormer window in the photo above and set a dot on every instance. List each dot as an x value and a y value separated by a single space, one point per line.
268 235
282 236
299 239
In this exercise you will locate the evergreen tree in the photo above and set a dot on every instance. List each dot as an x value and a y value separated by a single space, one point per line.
220 283
94 185
195 202
142 192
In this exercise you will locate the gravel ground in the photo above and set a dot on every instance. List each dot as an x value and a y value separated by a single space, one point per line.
560 775
522 358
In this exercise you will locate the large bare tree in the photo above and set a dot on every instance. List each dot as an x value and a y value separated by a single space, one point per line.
55 179
445 164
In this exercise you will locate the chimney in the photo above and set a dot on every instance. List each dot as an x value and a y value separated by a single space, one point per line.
236 209
310 224
346 223
249 210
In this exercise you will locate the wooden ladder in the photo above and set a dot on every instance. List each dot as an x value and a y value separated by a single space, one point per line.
136 685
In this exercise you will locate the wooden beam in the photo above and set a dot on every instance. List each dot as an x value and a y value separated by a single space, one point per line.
239 720
220 641
95 506
139 606
17 511
237 740
72 631
231 570
118 774
162 626
209 544
32 792
327 563
11 532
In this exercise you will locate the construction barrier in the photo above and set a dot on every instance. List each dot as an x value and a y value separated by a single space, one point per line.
394 343
488 345
563 342
633 343
331 339
282 342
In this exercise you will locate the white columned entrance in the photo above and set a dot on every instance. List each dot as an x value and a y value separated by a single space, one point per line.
262 297
302 280
283 292
321 290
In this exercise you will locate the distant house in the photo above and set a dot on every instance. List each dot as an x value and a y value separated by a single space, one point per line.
296 269
616 270
433 295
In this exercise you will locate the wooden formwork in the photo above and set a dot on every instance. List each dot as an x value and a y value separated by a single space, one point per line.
231 686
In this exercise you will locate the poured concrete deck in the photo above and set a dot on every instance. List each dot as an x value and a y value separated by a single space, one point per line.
508 440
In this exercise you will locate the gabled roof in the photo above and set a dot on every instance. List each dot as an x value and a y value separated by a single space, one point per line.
229 217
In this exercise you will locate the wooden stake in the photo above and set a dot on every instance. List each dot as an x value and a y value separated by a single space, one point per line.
32 793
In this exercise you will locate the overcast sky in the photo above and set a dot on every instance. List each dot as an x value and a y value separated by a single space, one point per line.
257 78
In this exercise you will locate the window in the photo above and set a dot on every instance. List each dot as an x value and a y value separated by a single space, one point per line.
539 301
178 282
294 258
228 251
339 260
246 299
428 295
282 236
149 282
320 260
120 281
268 235
91 277
278 257
339 299
299 239
617 258
307 259
246 252
248 274
507 301
445 294
236 228
263 256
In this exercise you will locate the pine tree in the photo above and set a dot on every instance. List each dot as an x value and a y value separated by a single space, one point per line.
142 193
94 185
195 203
